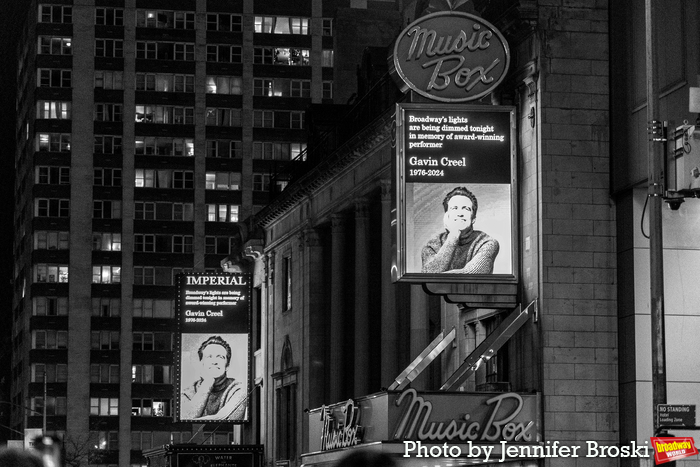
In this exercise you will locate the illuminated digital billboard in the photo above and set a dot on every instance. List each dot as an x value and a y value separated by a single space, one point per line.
213 356
456 193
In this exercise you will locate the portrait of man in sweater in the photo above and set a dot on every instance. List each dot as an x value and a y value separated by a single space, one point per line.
213 394
457 248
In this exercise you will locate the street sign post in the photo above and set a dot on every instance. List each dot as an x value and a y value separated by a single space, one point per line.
681 415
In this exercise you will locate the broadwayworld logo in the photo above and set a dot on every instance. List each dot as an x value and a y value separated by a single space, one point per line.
671 449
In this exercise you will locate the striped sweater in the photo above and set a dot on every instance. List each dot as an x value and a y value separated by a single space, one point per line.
472 253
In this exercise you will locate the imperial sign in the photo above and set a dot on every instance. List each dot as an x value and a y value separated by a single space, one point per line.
450 56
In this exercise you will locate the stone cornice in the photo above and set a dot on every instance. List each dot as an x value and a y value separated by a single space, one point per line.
516 19
357 147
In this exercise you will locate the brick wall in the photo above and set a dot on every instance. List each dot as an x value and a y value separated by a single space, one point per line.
578 285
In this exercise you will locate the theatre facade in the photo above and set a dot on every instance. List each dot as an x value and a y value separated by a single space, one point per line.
363 350
363 347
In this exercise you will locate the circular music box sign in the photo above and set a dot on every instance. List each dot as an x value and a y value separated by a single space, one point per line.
450 56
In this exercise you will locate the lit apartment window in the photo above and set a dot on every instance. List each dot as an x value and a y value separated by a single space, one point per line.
51 207
106 274
109 16
55 45
51 273
291 56
106 241
53 110
104 440
327 58
224 53
181 179
264 24
55 14
163 82
150 407
223 148
106 209
224 22
109 48
281 56
108 79
52 175
296 25
54 142
151 374
104 373
104 406
50 240
163 146
104 176
50 306
222 181
165 19
222 212
297 150
281 25
166 114
108 144
54 78
106 307
224 85
108 112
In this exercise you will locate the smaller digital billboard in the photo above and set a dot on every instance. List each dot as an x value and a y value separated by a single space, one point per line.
213 356
456 193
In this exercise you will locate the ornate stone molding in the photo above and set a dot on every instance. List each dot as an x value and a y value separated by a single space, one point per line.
338 221
357 147
386 190
312 238
361 208
516 19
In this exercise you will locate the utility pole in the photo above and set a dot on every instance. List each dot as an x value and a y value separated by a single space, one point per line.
655 195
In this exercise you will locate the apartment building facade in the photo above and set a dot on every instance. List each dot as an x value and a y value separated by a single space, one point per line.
146 130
